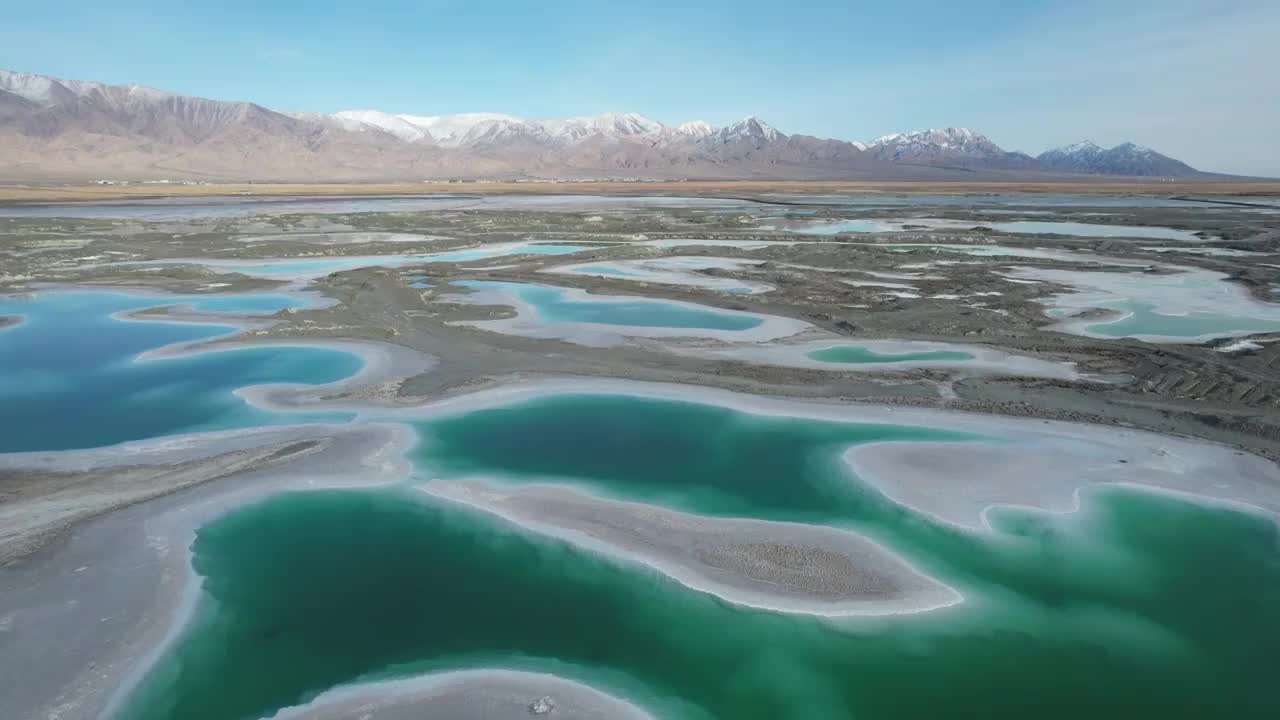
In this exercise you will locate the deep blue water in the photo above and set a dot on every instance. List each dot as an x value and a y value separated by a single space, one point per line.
70 376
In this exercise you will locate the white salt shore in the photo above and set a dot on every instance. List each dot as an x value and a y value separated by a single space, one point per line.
794 352
466 695
131 566
1034 463
780 566
526 321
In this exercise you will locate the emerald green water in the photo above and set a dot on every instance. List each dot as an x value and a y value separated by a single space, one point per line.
860 355
1140 605
700 458
371 584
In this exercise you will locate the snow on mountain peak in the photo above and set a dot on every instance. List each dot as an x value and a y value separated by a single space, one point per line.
36 88
749 128
362 120
696 128
943 137
464 128
1084 146
44 90
452 130
1123 159
607 124
1133 148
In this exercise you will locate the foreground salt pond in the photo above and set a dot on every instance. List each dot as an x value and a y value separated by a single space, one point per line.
1137 605
56 393
692 553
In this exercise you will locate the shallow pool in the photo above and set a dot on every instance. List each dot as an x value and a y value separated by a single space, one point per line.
558 305
1189 306
589 319
861 355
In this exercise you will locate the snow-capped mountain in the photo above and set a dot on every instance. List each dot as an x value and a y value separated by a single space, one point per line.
947 145
1123 159
751 130
47 91
362 120
696 128
66 129
464 129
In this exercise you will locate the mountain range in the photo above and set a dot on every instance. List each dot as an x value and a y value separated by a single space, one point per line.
53 129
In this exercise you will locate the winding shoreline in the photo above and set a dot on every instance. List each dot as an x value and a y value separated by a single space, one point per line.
377 448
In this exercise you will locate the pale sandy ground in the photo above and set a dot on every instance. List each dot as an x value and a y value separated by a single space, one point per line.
40 505
89 613
467 695
780 566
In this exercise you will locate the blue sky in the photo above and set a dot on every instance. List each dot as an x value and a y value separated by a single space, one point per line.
1196 79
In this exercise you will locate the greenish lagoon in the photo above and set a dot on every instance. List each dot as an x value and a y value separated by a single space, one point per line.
859 355
1139 605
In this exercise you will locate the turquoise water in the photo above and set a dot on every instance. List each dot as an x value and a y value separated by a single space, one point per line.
1137 606
1144 319
610 270
859 355
70 378
556 305
1190 305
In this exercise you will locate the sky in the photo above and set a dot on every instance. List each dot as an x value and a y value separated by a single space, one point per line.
1196 79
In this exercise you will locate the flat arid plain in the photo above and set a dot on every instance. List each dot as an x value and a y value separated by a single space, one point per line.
640 450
